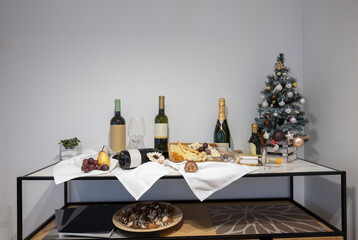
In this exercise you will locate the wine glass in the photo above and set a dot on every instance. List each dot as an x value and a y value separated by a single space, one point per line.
136 130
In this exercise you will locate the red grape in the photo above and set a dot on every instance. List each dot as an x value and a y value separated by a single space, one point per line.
105 167
90 164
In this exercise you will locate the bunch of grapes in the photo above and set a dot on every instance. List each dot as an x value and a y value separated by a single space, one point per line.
205 148
90 164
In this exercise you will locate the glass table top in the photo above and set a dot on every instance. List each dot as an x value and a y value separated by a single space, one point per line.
299 166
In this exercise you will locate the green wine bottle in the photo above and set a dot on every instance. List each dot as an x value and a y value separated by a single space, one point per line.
161 128
254 142
222 132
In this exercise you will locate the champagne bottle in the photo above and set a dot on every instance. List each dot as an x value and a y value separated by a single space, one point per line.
161 128
254 141
222 132
117 130
133 158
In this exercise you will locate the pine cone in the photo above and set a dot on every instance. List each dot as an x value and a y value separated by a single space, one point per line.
262 140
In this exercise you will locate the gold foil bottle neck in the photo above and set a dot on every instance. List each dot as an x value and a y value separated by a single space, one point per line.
161 102
221 116
254 127
221 102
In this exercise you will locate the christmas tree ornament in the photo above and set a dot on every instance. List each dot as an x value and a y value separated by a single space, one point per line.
271 105
278 135
266 135
278 88
267 122
274 144
265 104
302 101
294 84
298 142
288 85
290 94
289 136
275 114
267 115
275 78
279 65
293 120
273 97
288 110
297 112
267 88
274 101
288 77
282 103
278 73
262 140
284 74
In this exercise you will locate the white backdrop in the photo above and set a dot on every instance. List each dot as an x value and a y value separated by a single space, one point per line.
330 43
64 62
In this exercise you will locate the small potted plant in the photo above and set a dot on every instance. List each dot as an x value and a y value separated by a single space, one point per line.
70 148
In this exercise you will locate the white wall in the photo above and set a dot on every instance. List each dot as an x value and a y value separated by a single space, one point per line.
6 180
330 44
65 62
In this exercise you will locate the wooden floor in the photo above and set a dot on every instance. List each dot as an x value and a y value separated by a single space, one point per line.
41 234
199 221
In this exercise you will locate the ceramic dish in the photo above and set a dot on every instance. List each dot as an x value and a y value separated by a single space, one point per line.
177 217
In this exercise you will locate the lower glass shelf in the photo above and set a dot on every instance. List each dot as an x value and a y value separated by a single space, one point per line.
226 219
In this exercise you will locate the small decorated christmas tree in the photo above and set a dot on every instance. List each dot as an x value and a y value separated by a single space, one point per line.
280 114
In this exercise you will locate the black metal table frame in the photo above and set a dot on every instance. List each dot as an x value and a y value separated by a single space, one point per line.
335 232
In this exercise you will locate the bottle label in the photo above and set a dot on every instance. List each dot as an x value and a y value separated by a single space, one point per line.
161 130
136 158
252 149
117 138
274 160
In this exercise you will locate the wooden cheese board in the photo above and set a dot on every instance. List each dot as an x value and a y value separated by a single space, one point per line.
190 152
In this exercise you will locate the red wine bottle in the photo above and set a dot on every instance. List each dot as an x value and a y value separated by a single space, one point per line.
117 129
133 158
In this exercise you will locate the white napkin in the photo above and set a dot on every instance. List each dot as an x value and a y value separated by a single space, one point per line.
211 176
71 168
138 180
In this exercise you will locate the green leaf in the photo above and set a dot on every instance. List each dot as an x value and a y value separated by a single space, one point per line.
69 143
